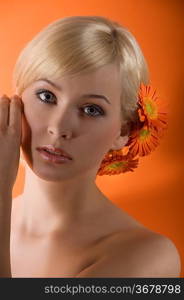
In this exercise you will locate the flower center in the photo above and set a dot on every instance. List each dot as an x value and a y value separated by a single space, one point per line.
117 165
151 108
144 133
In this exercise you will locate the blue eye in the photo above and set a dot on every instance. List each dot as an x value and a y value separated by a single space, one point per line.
47 100
94 108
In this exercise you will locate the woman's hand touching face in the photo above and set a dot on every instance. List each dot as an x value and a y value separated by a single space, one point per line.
11 110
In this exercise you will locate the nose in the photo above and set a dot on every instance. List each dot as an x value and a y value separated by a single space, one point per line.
59 124
58 130
66 134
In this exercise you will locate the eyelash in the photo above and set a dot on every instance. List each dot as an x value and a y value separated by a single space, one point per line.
99 109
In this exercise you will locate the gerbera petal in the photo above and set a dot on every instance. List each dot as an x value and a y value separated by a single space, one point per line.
116 166
145 141
151 107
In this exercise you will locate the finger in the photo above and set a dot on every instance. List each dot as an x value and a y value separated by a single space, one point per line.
15 114
4 111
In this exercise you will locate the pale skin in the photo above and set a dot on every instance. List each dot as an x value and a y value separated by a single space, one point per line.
62 225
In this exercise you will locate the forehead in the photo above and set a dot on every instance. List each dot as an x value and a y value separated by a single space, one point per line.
105 80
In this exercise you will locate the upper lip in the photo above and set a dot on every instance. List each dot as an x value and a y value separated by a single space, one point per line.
53 148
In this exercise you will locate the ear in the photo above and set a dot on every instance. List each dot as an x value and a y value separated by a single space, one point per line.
120 143
122 138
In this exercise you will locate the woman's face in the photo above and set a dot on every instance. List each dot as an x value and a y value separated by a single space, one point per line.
85 127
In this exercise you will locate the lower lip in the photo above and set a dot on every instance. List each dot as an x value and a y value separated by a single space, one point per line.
53 158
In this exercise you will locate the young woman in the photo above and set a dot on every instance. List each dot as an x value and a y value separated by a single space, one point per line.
76 84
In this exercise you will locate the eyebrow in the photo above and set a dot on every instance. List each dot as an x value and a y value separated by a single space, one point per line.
83 96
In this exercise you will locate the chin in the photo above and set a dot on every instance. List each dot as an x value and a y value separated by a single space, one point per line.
51 172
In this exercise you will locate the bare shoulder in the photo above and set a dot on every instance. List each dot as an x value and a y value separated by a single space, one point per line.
139 253
155 255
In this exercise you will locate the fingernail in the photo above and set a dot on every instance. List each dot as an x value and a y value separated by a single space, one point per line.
4 95
16 96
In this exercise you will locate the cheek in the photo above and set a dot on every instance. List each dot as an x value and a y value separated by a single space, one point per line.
29 124
102 138
110 129
26 131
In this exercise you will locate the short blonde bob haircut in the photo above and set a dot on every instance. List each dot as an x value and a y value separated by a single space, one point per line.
81 44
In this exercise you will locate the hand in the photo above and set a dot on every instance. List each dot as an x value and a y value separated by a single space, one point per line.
10 140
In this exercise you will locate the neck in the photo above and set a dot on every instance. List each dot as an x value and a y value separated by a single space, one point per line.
48 206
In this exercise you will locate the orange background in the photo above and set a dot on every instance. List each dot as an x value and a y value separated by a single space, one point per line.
153 193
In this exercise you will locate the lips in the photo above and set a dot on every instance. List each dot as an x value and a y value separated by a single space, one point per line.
54 150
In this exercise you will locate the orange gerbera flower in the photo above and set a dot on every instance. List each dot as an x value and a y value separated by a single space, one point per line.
142 141
115 163
151 109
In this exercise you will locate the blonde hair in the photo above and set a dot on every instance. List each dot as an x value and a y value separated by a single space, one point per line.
80 44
